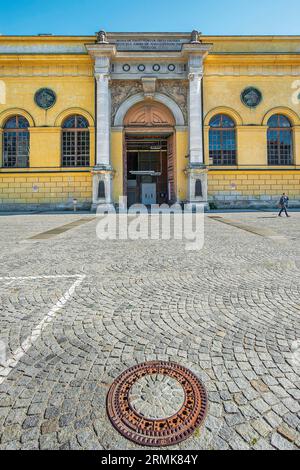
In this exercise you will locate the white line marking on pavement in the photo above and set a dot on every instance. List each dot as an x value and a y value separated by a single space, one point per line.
11 363
58 276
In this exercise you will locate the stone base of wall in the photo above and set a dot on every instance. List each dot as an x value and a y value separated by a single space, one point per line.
235 202
214 203
86 206
253 189
45 191
226 189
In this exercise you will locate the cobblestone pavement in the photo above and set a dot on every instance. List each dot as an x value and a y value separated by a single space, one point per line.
229 312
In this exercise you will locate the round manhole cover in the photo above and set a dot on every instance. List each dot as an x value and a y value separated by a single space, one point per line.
157 403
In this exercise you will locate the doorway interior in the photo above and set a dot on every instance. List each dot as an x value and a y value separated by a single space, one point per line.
149 169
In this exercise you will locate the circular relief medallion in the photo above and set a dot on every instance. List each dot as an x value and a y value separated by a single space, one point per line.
126 67
157 404
45 98
251 97
141 67
171 67
156 67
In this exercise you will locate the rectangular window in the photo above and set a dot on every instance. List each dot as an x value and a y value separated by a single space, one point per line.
76 148
222 147
280 147
16 149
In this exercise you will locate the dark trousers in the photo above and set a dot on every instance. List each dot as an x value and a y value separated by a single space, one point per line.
283 209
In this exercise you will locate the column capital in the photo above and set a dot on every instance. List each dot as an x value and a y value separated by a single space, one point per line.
195 76
101 50
102 54
101 76
102 65
196 49
195 66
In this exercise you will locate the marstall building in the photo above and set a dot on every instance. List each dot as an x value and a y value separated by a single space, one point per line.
156 117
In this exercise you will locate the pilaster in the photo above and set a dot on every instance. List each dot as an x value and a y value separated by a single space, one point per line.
103 171
195 109
197 192
102 189
196 170
1 148
296 130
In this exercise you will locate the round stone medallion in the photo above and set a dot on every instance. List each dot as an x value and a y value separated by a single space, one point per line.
45 98
156 67
157 403
251 97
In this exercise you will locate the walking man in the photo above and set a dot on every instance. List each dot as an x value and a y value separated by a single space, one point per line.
283 204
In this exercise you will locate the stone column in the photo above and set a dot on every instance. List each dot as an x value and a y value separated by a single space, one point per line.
196 170
102 173
103 111
195 109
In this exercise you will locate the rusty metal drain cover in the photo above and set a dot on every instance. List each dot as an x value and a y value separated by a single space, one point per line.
157 403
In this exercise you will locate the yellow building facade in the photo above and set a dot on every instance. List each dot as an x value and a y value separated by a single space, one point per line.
158 118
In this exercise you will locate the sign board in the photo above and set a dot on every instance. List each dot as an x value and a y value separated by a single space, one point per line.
151 45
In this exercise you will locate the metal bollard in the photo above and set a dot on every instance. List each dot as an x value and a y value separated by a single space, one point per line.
74 205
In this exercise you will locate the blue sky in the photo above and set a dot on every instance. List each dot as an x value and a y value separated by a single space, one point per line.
209 16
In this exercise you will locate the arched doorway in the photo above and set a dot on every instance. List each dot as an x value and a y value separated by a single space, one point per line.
149 154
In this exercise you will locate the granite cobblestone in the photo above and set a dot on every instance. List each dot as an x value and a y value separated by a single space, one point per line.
229 312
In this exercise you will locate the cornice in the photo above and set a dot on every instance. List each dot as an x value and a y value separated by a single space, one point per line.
46 38
48 58
252 58
141 34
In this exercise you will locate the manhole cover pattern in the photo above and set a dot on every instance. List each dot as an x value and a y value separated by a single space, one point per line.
157 403
156 396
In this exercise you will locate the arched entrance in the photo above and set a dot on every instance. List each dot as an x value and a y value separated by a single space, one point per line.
149 154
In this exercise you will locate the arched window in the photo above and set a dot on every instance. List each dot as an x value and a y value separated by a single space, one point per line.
222 140
75 141
16 142
280 141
